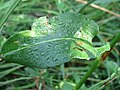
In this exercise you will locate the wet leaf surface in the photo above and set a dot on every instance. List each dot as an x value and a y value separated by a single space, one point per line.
54 41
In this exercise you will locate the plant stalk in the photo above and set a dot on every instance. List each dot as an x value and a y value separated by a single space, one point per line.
63 71
115 40
8 12
93 67
97 62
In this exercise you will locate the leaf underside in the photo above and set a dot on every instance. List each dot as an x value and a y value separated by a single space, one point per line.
54 41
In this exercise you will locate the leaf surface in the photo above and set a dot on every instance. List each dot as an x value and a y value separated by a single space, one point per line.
53 41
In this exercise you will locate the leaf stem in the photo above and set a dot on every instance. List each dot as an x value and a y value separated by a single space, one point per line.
115 40
89 72
8 12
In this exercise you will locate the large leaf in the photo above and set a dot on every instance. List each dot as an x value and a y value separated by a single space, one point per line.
53 41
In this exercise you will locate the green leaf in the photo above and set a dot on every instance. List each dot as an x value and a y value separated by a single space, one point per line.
53 41
2 40
32 72
67 85
60 5
111 66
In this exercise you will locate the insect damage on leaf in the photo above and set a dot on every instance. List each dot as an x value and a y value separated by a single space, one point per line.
80 43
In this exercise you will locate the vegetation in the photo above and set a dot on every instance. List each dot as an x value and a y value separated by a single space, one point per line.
56 45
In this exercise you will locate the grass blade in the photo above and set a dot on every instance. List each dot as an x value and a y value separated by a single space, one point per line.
8 12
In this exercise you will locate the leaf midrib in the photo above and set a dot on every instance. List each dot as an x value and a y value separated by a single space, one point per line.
28 46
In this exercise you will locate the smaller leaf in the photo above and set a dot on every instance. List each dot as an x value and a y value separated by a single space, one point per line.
60 5
33 72
111 66
76 77
67 86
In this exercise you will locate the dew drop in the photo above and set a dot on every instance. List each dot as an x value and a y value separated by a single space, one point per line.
66 43
56 42
47 58
67 35
55 59
81 28
60 35
55 46
42 53
66 48
88 25
24 44
72 33
50 45
78 34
